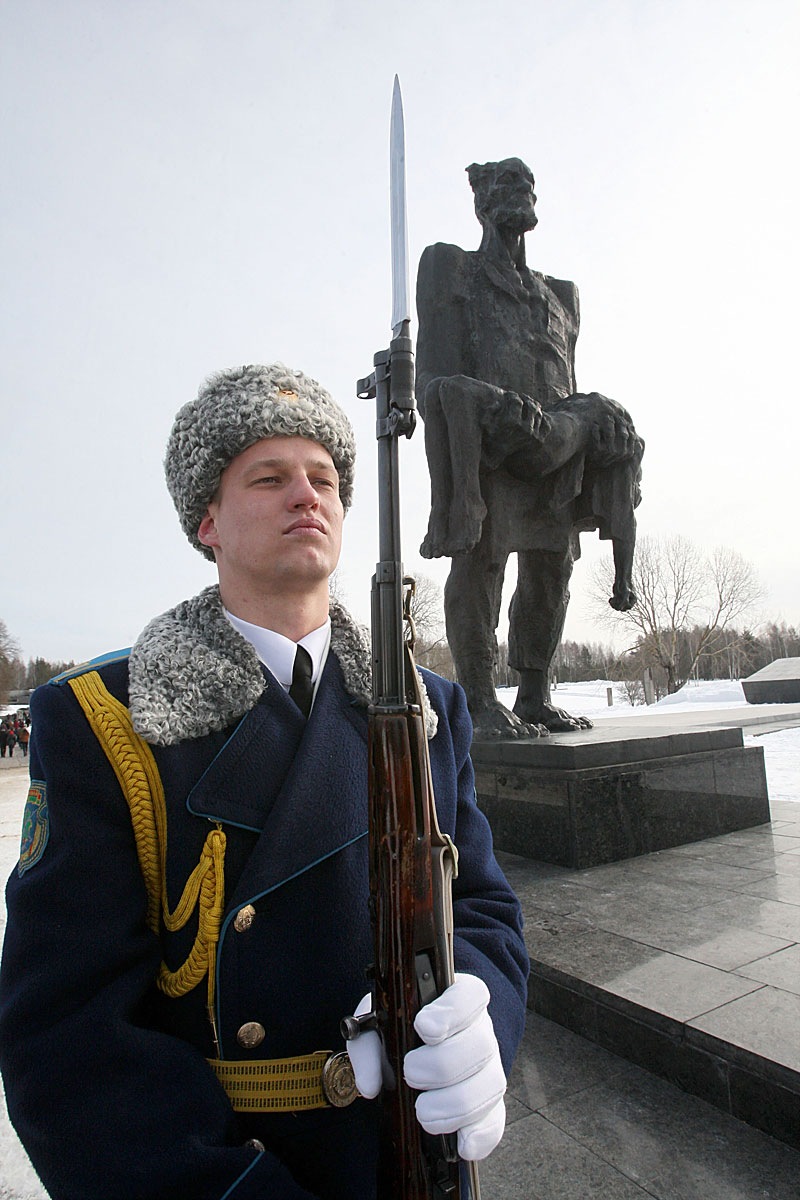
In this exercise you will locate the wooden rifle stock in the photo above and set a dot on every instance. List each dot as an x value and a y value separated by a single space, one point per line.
413 950
412 863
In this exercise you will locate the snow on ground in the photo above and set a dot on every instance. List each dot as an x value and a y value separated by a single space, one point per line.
781 754
590 699
717 693
782 759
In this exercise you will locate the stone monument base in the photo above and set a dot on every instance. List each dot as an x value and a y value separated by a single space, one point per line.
618 790
779 683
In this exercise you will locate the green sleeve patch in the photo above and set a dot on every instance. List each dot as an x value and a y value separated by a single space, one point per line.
35 826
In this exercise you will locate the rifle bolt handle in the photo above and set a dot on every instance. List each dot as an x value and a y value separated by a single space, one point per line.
351 1027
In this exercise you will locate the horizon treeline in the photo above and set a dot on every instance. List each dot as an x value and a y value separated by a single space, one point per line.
737 654
19 676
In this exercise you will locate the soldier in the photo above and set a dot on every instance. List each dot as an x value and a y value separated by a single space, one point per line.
188 920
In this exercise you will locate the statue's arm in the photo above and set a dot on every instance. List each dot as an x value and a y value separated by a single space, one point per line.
440 295
567 293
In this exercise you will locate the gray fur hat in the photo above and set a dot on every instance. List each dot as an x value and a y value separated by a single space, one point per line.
233 410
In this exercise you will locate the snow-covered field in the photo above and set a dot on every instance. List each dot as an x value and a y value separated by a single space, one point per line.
781 752
590 699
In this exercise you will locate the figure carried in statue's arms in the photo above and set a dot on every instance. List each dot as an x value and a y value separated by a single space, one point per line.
519 460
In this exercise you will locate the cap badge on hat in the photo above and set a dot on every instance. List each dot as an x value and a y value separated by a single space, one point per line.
288 394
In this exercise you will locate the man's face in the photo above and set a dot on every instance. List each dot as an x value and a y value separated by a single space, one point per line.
511 200
276 520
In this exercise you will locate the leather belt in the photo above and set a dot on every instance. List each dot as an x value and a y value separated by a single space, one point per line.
308 1081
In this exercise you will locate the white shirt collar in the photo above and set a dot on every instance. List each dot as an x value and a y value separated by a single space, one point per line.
277 652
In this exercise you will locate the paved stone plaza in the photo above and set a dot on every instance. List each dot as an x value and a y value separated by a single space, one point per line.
585 1124
688 963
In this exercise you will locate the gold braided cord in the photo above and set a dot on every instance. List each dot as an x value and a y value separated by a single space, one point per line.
135 768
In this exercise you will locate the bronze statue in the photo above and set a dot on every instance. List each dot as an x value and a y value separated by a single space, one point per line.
519 460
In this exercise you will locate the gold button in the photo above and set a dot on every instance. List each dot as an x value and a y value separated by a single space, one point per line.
251 1035
244 918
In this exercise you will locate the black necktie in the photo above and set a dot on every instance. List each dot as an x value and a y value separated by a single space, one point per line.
302 689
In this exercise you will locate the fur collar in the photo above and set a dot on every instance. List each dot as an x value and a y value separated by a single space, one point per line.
191 673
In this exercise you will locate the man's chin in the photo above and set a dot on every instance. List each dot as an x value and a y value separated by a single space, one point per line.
300 576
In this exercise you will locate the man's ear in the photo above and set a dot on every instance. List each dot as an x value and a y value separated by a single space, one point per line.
207 531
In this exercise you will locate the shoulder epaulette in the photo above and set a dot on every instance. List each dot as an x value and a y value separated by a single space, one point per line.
94 664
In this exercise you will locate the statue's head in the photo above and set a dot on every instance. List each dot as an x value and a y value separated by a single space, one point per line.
504 194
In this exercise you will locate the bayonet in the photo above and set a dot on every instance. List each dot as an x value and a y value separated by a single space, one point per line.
401 305
412 864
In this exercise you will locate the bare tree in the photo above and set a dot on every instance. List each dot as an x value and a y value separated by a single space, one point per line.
427 608
631 690
686 600
336 589
503 675
9 651
781 641
427 613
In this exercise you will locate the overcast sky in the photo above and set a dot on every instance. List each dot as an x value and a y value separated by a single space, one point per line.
189 185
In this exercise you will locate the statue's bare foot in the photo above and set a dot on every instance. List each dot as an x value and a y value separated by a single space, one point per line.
434 544
555 720
466 527
466 539
463 535
623 597
430 548
496 721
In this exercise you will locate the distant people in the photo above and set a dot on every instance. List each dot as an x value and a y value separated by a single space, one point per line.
23 737
11 742
4 731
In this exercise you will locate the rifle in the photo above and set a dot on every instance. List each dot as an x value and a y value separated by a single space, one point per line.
412 863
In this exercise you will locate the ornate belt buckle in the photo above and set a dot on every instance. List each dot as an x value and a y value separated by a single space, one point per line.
338 1080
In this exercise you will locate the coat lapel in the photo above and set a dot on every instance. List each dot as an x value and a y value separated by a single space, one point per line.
242 781
321 805
280 776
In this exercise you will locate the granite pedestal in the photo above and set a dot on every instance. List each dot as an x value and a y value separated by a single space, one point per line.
778 683
619 790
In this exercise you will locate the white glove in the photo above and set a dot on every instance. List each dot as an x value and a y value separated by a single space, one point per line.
457 1071
366 1054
